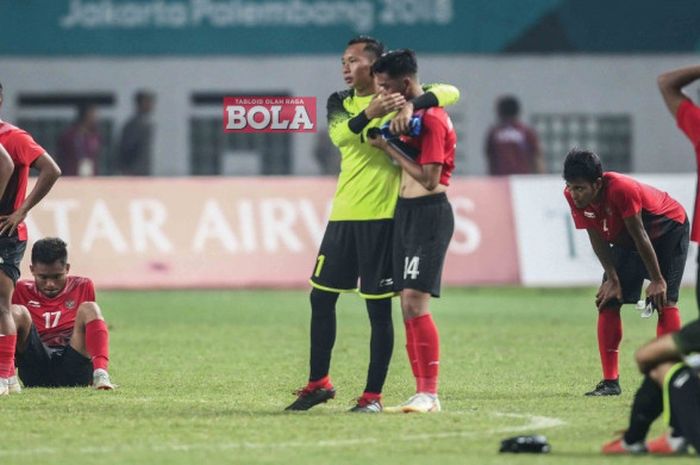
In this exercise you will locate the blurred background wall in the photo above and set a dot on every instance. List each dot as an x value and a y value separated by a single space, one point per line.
583 71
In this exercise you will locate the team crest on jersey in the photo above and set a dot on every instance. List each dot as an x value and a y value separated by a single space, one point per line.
588 214
70 304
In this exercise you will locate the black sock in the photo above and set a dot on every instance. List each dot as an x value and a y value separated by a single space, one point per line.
684 396
647 406
322 332
381 343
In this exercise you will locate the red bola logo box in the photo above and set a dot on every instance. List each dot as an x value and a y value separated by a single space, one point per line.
269 114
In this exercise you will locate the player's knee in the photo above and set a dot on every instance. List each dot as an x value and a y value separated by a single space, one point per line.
21 315
412 304
89 311
658 373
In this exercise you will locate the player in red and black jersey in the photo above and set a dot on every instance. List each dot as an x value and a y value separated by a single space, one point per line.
687 116
638 232
24 153
423 223
62 338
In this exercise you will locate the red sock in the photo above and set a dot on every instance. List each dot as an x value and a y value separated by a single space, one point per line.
7 355
609 337
669 321
372 396
97 343
324 382
428 351
411 348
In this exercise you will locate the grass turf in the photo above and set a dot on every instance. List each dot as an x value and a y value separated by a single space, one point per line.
204 377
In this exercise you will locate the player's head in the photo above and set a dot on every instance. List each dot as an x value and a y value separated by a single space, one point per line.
50 265
583 173
360 53
396 71
507 107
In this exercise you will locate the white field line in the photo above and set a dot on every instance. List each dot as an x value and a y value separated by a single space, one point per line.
534 422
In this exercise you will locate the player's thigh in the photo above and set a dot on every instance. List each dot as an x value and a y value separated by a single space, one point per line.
672 254
11 252
34 362
424 228
373 245
336 266
72 368
631 272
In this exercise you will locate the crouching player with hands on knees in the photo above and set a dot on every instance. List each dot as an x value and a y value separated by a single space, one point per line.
637 232
670 365
423 224
62 338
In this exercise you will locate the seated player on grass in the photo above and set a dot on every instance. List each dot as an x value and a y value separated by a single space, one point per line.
62 338
670 365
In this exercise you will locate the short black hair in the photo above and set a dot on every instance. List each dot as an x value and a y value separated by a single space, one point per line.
49 250
582 165
508 106
142 95
397 63
372 45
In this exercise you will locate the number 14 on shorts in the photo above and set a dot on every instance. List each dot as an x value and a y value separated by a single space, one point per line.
410 267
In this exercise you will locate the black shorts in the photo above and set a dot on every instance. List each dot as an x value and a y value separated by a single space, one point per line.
671 251
688 338
352 250
423 228
11 253
42 366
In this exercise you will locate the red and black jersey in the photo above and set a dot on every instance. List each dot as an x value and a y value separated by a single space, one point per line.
688 119
23 150
624 197
54 317
436 142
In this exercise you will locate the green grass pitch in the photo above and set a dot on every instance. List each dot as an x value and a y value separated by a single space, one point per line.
204 377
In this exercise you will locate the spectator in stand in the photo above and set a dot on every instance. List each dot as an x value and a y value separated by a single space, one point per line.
135 145
512 147
80 145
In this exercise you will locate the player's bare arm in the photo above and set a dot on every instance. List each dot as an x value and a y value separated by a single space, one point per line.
657 288
7 166
434 95
671 86
659 350
49 172
611 288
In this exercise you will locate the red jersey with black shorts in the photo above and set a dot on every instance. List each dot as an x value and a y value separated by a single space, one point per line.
54 317
23 151
664 220
423 226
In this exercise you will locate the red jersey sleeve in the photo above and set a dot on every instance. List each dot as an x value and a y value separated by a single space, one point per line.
579 220
23 148
89 291
688 120
626 198
433 134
